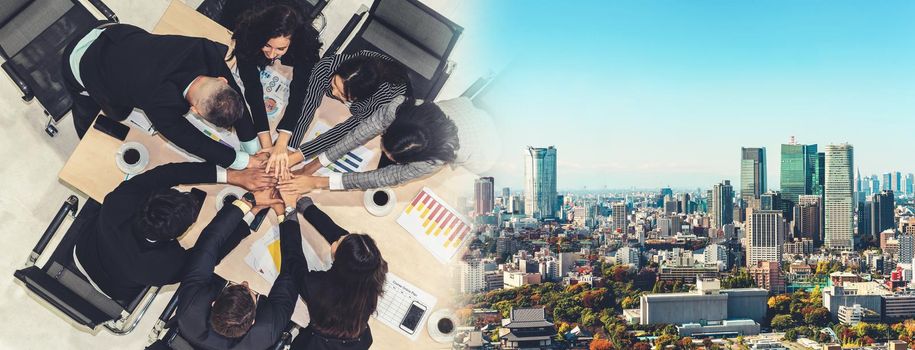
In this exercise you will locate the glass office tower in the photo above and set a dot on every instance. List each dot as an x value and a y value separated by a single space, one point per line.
799 171
540 182
752 174
839 193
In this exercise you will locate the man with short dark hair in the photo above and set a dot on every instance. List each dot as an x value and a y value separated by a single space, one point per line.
135 244
117 67
214 315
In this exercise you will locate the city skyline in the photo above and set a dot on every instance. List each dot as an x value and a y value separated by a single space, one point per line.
668 93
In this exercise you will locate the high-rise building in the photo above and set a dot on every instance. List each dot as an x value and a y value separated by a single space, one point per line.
807 219
839 202
540 182
752 174
721 205
620 217
875 184
882 209
798 171
909 184
628 256
472 275
906 248
483 196
897 182
819 173
765 236
887 182
684 204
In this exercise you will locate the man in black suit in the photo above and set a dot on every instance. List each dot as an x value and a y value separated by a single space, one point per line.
212 315
135 244
121 67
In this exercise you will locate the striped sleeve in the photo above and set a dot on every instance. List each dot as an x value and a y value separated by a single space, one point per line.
361 110
318 82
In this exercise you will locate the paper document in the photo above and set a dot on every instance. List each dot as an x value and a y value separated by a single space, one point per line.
354 161
265 257
404 307
436 225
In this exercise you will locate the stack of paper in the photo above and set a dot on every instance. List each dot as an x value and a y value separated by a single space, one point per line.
265 257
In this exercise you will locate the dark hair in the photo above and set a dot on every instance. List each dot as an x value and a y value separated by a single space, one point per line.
233 311
279 19
421 133
362 75
223 107
356 281
165 215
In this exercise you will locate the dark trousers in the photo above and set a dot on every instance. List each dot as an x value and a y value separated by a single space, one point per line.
309 339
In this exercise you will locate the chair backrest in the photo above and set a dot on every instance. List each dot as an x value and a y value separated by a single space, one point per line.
23 20
33 40
413 34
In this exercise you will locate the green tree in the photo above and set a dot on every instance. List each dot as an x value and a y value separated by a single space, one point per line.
819 317
782 322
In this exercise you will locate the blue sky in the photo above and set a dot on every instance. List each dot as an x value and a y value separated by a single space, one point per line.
657 93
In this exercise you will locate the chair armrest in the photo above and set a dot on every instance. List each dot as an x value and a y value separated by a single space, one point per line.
27 94
164 317
105 10
347 31
69 206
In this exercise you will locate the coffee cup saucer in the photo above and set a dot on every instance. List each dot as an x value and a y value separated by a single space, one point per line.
432 326
142 162
379 210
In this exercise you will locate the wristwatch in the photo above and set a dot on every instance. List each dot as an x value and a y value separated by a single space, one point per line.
248 196
289 212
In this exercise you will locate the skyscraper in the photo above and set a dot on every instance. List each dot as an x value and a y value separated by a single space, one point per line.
887 184
897 182
721 205
799 175
819 173
807 219
752 174
882 210
765 236
483 196
909 184
839 201
620 217
471 275
540 182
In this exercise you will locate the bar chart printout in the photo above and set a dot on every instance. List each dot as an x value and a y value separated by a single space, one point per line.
435 224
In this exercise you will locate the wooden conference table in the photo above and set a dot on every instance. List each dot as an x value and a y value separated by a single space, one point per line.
92 170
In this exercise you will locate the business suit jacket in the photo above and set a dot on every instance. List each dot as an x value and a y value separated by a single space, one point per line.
122 263
313 284
200 287
127 67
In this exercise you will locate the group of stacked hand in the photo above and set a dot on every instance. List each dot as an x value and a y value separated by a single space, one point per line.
271 181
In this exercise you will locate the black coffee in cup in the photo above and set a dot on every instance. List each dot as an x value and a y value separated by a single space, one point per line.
380 198
445 325
131 156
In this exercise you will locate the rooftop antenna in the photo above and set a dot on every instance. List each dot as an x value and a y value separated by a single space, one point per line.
792 140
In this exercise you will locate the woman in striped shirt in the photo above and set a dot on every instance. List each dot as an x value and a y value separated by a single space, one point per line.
417 139
364 80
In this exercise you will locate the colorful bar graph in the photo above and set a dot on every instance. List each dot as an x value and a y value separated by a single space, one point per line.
436 225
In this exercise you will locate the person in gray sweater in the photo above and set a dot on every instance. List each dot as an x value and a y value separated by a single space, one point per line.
417 139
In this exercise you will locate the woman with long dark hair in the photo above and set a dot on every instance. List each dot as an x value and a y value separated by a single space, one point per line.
341 299
417 139
277 31
365 81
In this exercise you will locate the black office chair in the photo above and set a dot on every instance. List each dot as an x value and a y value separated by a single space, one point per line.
214 10
411 33
172 339
60 283
33 36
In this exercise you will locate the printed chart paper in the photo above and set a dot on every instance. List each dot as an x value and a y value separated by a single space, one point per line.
435 224
352 162
265 257
394 305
